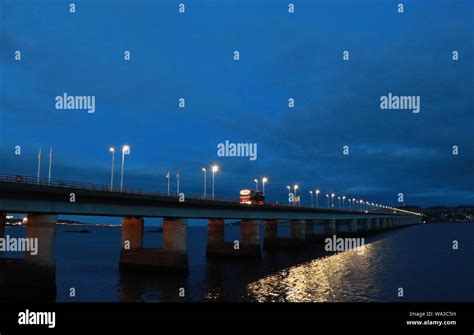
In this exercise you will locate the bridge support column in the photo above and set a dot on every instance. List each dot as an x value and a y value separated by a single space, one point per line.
330 227
172 257
382 223
272 241
353 226
270 230
298 229
376 223
132 233
175 235
2 225
367 225
215 236
247 247
249 232
309 229
33 278
43 228
250 239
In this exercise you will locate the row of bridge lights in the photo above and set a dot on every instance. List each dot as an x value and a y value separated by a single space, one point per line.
353 204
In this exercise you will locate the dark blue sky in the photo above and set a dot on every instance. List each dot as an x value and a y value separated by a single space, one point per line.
282 55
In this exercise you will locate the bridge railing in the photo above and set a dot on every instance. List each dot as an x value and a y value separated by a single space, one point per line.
99 187
128 190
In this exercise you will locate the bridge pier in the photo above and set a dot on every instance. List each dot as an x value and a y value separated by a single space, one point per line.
175 235
329 227
43 228
353 226
250 239
381 223
377 224
270 231
215 236
309 228
366 225
247 247
298 229
298 234
34 277
172 257
132 233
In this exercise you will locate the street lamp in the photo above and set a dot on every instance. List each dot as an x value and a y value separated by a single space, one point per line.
327 196
205 183
317 193
311 192
256 184
50 164
295 187
39 166
264 180
349 205
125 151
339 202
343 200
112 150
332 199
214 169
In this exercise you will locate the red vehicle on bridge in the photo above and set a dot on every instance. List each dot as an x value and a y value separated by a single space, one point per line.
251 197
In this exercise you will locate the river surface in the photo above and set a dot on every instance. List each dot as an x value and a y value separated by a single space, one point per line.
419 259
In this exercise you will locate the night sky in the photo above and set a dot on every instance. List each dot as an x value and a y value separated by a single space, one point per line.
282 56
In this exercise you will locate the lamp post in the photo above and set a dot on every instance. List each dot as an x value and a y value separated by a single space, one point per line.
264 180
39 166
317 196
112 150
125 151
327 196
256 184
343 202
205 184
332 199
50 164
295 187
214 169
177 183
339 202
311 193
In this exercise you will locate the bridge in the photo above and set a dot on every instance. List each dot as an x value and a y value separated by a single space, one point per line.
43 200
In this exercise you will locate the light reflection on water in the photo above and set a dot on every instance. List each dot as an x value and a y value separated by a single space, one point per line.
320 280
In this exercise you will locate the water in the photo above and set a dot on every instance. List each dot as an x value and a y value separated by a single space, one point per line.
420 259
